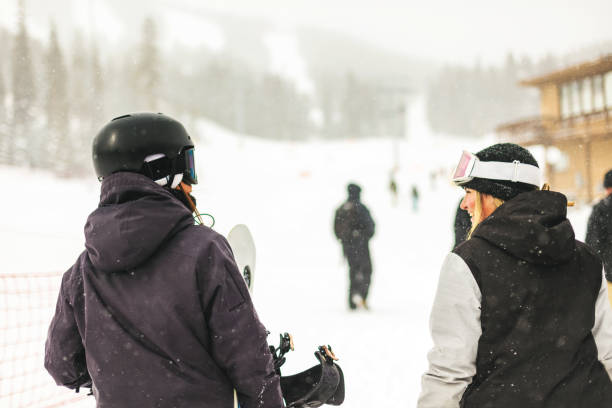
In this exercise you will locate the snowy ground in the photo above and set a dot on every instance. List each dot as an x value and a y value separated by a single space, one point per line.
287 194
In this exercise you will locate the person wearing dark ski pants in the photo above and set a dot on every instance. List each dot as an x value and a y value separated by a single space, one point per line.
599 230
354 227
521 317
154 313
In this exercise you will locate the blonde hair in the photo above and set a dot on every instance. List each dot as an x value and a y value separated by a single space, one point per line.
477 217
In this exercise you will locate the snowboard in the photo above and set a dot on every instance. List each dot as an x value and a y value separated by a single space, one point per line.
243 246
330 375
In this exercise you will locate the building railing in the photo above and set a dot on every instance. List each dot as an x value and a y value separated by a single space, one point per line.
545 129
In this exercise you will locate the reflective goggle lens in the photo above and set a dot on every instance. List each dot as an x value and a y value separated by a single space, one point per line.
190 171
463 169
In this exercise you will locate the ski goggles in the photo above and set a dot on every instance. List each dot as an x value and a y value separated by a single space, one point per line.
159 166
470 166
187 158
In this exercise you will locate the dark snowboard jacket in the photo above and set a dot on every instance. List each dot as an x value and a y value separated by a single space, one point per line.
521 316
353 226
599 233
155 311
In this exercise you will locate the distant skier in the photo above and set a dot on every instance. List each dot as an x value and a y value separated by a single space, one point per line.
599 230
415 198
154 313
354 227
521 317
393 189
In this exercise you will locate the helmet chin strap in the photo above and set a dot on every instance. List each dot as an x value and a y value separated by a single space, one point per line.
176 180
186 189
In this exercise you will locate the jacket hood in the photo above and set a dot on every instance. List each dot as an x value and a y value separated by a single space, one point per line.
533 227
134 218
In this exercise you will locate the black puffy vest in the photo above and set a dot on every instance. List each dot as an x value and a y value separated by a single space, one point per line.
539 287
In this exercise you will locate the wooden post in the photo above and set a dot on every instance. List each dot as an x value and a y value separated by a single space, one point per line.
550 179
605 99
589 167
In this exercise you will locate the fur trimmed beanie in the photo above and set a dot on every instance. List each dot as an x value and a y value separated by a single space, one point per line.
503 189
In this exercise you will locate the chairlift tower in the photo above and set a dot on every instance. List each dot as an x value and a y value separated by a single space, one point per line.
394 101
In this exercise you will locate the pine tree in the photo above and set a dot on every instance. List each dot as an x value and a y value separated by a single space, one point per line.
275 110
327 99
23 90
353 114
79 84
97 80
4 131
2 99
3 95
56 105
148 67
92 112
78 142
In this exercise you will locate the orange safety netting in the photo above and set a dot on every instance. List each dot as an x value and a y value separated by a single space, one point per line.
27 303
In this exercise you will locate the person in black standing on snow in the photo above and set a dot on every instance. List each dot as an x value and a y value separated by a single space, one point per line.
521 316
599 229
154 313
415 198
354 227
393 189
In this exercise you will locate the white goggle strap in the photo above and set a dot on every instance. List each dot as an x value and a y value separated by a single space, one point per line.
515 171
176 179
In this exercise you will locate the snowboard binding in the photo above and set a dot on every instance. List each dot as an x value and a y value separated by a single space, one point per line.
320 384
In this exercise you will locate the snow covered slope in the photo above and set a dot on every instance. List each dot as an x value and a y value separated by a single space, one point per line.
287 194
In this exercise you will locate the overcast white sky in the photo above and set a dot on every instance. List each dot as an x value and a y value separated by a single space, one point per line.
456 30
444 30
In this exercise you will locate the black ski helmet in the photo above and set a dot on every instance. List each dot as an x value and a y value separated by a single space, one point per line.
125 142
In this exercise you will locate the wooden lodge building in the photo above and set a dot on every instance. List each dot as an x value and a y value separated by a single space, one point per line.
574 127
